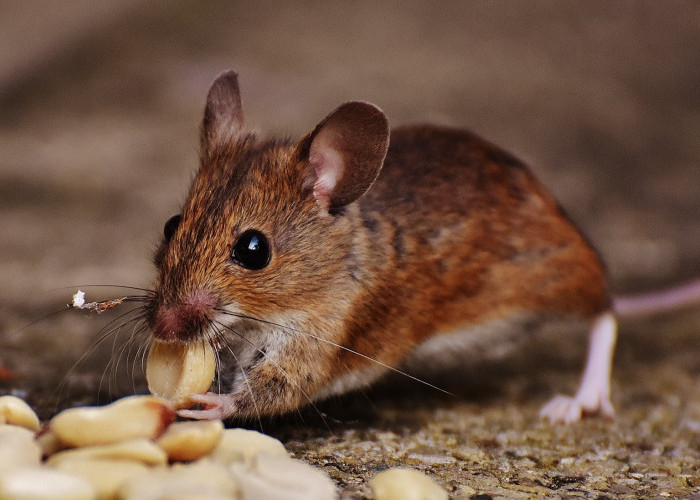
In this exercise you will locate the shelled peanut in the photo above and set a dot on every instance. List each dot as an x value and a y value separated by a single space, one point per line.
174 370
399 483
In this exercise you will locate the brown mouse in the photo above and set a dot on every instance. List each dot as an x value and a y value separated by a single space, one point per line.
319 264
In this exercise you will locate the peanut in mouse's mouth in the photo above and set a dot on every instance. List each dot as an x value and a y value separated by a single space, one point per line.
176 370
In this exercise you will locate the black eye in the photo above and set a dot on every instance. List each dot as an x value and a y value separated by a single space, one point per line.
171 226
251 250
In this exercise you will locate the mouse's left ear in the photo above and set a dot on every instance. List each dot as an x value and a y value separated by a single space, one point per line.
346 152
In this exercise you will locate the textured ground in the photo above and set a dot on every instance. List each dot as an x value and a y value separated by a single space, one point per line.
99 109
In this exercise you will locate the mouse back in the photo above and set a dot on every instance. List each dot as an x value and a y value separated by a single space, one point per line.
461 233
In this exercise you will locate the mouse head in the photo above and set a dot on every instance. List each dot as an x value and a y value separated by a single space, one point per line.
264 237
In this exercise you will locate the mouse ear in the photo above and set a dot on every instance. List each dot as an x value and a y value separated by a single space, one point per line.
223 115
346 152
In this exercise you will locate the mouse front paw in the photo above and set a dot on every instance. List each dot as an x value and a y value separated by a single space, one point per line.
566 410
214 407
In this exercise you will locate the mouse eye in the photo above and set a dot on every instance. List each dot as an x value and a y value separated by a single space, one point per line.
170 226
251 250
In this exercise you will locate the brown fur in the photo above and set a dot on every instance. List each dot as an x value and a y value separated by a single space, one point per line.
458 233
454 232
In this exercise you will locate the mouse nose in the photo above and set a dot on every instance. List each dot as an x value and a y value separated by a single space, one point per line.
185 320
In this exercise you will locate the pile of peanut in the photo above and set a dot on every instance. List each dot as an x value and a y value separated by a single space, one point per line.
133 449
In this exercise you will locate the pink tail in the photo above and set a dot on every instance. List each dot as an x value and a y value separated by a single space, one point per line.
654 302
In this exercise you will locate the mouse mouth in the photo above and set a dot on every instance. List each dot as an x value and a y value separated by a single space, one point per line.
176 363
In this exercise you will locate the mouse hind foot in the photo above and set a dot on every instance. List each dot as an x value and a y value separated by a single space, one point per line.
593 395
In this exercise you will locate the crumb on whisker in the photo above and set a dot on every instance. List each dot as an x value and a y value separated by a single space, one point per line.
99 307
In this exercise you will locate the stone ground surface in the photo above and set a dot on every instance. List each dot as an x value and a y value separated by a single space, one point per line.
99 109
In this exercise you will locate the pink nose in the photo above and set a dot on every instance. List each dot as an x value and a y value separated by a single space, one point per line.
183 321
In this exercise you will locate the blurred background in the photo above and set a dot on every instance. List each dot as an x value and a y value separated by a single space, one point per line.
100 104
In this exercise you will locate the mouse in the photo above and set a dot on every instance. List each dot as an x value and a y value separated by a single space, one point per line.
321 264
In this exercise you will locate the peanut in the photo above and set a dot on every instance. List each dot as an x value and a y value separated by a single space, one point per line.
175 370
127 418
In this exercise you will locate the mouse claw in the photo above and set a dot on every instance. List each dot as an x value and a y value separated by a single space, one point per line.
561 410
567 410
214 407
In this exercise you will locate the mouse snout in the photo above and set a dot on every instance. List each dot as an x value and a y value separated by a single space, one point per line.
183 321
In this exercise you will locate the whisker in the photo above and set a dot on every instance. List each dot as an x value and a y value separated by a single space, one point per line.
214 342
103 335
126 346
148 291
277 365
46 316
140 327
130 298
112 329
245 377
211 340
136 298
118 327
145 349
344 348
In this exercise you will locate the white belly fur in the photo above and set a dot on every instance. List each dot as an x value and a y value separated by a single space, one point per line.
453 350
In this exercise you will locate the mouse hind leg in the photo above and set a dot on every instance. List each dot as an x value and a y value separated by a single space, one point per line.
593 395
